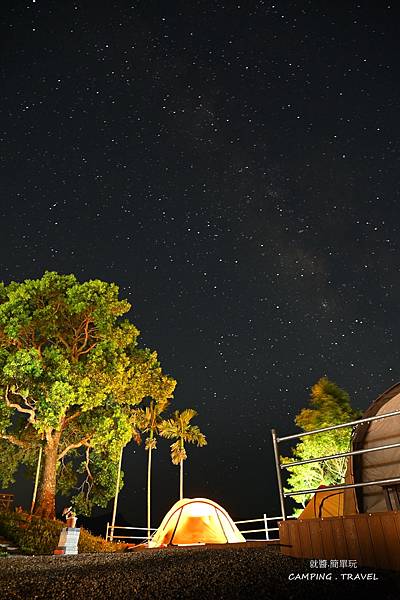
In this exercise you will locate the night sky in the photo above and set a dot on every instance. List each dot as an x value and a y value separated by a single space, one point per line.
234 168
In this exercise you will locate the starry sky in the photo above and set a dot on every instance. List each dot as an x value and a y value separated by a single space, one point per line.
233 167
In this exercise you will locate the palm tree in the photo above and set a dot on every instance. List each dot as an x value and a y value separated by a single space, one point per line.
148 420
178 428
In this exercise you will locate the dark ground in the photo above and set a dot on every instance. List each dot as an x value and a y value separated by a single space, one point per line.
201 573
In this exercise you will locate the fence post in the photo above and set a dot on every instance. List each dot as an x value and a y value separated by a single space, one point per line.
35 487
278 473
107 532
116 494
266 527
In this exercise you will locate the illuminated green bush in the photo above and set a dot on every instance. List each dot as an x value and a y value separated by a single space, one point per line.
40 536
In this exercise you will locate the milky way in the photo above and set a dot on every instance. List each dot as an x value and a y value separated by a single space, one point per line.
234 168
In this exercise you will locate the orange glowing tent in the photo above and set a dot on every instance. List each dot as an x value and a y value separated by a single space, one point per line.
196 521
324 504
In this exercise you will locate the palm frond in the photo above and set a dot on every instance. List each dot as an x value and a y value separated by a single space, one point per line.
178 452
187 415
167 429
195 436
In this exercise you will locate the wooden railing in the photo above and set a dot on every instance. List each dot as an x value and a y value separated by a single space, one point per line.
6 501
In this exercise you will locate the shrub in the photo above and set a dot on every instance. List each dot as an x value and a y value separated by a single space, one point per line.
34 535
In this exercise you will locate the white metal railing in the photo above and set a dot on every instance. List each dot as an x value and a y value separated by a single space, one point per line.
110 533
266 530
280 466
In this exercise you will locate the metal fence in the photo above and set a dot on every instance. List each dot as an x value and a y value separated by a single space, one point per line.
268 531
279 466
110 533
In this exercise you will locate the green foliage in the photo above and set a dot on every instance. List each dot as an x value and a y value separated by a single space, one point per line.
179 428
40 536
72 375
329 405
10 459
148 420
67 477
96 490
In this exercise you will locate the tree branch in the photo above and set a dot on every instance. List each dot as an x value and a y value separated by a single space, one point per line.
13 440
62 340
19 408
85 335
28 404
39 348
87 349
83 442
89 477
72 417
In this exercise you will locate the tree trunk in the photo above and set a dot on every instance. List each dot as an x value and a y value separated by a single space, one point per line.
149 496
46 499
181 481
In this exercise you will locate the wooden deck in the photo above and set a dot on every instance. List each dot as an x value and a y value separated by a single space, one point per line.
371 539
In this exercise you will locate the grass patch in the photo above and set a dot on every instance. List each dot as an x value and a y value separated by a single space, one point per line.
34 535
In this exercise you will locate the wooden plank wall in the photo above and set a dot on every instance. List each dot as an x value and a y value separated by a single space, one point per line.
371 539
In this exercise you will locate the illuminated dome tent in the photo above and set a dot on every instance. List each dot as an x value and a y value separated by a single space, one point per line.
196 521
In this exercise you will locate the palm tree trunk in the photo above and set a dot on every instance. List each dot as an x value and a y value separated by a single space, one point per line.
181 481
149 495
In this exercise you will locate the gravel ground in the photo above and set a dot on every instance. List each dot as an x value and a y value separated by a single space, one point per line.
200 573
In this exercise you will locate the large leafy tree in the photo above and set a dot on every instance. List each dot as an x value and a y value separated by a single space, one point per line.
71 375
179 428
329 405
